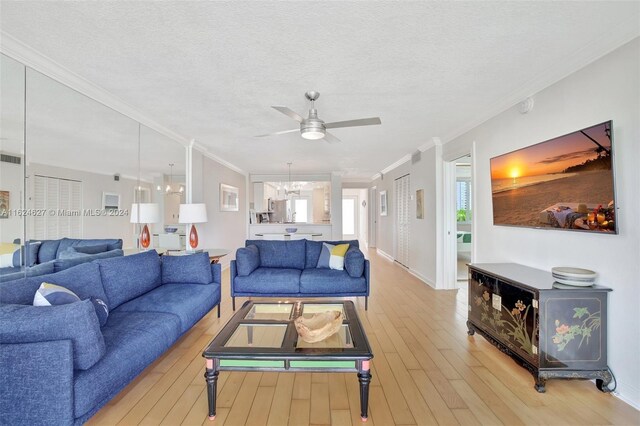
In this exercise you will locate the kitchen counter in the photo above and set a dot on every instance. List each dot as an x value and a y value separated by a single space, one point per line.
279 231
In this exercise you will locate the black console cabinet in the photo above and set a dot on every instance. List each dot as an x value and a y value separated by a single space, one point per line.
551 329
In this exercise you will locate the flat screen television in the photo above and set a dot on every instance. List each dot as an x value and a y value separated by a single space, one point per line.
564 183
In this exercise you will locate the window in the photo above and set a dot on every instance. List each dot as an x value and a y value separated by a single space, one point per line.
463 200
301 208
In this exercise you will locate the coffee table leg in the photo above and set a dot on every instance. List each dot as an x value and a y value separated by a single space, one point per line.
364 377
211 375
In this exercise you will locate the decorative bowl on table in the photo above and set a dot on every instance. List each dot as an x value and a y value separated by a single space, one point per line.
319 326
170 229
291 230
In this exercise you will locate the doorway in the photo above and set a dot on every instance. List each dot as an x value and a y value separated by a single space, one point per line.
355 215
459 238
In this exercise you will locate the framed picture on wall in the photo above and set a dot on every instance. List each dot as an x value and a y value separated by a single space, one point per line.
110 201
383 203
229 198
4 204
420 204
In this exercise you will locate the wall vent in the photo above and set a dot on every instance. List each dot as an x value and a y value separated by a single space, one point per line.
13 159
415 157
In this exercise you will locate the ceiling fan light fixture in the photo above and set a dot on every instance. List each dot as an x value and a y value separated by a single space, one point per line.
312 134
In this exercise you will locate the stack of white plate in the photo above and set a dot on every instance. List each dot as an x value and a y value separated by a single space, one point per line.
574 276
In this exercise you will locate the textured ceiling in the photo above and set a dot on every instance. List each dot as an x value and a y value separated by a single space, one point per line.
211 70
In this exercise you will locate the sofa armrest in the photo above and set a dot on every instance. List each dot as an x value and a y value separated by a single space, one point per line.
216 272
367 269
233 273
36 383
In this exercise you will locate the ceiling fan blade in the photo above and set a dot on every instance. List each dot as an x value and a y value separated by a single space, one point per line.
277 133
330 138
288 112
353 123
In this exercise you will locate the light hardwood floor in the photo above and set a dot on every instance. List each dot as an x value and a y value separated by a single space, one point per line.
426 370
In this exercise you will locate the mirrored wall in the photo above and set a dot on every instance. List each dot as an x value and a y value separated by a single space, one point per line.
73 167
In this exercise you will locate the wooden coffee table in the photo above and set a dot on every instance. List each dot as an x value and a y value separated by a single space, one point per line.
261 336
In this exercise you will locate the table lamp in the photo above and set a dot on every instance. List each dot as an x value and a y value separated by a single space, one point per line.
145 213
192 214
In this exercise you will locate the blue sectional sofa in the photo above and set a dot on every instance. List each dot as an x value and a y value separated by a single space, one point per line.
40 257
58 366
288 269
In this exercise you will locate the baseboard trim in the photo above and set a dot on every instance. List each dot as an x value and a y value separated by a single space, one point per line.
421 277
385 255
633 391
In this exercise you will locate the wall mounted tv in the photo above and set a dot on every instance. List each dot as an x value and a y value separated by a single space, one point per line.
563 183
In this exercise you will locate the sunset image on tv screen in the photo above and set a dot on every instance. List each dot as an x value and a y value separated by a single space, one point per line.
563 183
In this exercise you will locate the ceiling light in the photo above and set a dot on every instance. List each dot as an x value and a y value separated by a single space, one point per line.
312 134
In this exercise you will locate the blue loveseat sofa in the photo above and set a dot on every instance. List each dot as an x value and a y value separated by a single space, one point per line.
266 268
40 257
58 366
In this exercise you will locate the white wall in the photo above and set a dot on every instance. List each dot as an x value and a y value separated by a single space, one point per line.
607 89
422 232
226 230
12 180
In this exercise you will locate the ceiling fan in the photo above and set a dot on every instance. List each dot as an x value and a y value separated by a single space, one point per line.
312 127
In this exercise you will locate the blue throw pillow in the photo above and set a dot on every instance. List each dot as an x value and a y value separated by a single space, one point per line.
74 321
354 262
51 295
247 260
188 269
98 248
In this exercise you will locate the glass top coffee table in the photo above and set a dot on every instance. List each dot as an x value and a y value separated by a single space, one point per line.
262 337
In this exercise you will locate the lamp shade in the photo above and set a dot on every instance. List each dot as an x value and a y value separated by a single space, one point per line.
193 213
145 213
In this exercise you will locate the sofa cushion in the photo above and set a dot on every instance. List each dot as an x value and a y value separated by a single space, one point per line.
280 254
52 295
79 258
48 250
126 277
133 340
71 253
330 281
74 321
189 302
247 259
269 281
313 249
332 256
354 262
65 243
192 269
83 280
98 248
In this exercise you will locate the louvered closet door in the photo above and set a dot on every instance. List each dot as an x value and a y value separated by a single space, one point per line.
402 219
61 200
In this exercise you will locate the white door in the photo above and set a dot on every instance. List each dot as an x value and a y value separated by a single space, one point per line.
402 219
350 217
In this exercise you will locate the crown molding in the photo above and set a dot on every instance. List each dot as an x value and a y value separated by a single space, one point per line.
205 151
35 60
573 63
